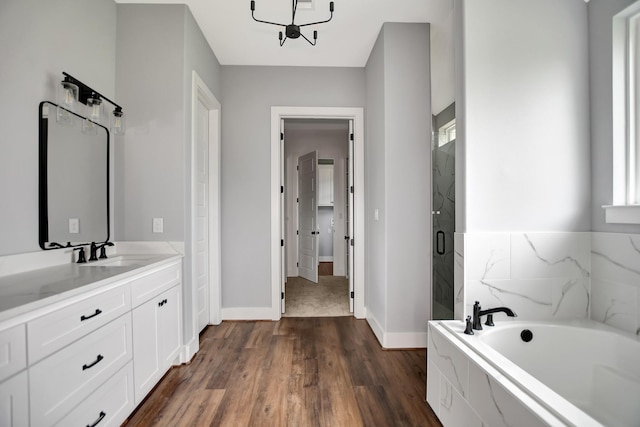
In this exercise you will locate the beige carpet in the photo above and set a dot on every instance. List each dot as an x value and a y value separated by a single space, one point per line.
327 298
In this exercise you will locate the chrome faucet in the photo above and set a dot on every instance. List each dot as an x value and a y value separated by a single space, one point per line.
478 313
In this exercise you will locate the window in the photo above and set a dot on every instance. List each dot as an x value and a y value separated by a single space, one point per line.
626 117
447 133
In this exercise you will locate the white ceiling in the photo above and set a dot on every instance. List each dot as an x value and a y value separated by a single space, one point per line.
346 41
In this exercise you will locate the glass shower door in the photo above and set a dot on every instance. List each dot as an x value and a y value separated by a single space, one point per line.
443 182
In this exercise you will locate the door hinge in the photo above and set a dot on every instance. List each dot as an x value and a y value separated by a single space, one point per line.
297 200
351 189
351 242
351 294
282 189
351 136
298 167
281 295
297 264
297 232
282 242
281 136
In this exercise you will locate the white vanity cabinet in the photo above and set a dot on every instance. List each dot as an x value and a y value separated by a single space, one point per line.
90 358
14 401
157 329
14 396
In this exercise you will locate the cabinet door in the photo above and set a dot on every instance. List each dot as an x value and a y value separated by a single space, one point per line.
146 362
14 401
170 325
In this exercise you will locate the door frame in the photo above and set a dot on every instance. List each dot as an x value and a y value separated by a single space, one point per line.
201 93
277 164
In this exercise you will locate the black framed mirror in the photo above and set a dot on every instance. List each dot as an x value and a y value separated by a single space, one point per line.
73 180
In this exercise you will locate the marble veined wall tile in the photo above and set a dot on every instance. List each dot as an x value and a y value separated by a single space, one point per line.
450 361
433 386
550 255
495 405
615 284
616 257
529 299
459 277
571 298
615 304
487 256
454 409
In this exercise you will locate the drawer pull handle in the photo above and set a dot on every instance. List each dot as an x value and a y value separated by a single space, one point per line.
100 418
161 303
94 363
83 317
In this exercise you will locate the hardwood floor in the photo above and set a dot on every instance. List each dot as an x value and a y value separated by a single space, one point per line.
325 269
295 372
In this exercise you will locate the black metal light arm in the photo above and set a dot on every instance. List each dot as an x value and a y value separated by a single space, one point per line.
321 22
253 9
85 91
293 27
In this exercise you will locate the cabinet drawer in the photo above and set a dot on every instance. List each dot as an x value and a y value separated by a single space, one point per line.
109 405
60 328
13 351
61 381
148 286
14 401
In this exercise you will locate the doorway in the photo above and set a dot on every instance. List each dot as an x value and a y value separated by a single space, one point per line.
280 261
202 300
316 218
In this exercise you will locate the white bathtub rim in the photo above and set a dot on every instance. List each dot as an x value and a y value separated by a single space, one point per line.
517 380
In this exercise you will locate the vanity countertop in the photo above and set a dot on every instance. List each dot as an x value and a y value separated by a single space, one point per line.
24 292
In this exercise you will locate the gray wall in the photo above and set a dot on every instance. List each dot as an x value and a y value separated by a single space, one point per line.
248 94
158 47
375 121
35 48
398 153
526 138
600 14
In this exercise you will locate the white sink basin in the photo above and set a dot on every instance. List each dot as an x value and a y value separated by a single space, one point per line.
120 261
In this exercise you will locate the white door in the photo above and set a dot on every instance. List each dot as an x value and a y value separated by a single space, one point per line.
283 237
307 216
201 273
350 216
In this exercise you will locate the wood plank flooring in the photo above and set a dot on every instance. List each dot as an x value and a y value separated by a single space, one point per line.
294 372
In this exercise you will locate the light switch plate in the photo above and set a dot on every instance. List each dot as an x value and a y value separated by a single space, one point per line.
74 226
158 225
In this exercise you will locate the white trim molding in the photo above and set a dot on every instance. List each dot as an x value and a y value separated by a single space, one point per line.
248 313
622 214
201 93
347 113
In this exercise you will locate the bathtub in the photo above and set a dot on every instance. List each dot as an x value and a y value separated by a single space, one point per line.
533 374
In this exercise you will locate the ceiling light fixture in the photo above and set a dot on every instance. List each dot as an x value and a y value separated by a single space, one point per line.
292 31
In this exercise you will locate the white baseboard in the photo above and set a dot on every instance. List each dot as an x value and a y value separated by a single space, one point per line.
247 313
376 328
397 340
325 259
189 350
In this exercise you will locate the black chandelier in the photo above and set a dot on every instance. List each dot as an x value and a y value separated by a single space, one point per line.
292 31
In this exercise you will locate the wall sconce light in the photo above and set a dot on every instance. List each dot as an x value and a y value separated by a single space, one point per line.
94 102
67 100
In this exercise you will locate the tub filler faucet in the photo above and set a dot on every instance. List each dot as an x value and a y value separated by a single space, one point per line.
478 313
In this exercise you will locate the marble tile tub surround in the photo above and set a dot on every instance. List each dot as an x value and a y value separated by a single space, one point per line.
615 280
544 276
541 276
464 390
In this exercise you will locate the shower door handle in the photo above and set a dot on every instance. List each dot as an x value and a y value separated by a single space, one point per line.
440 238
